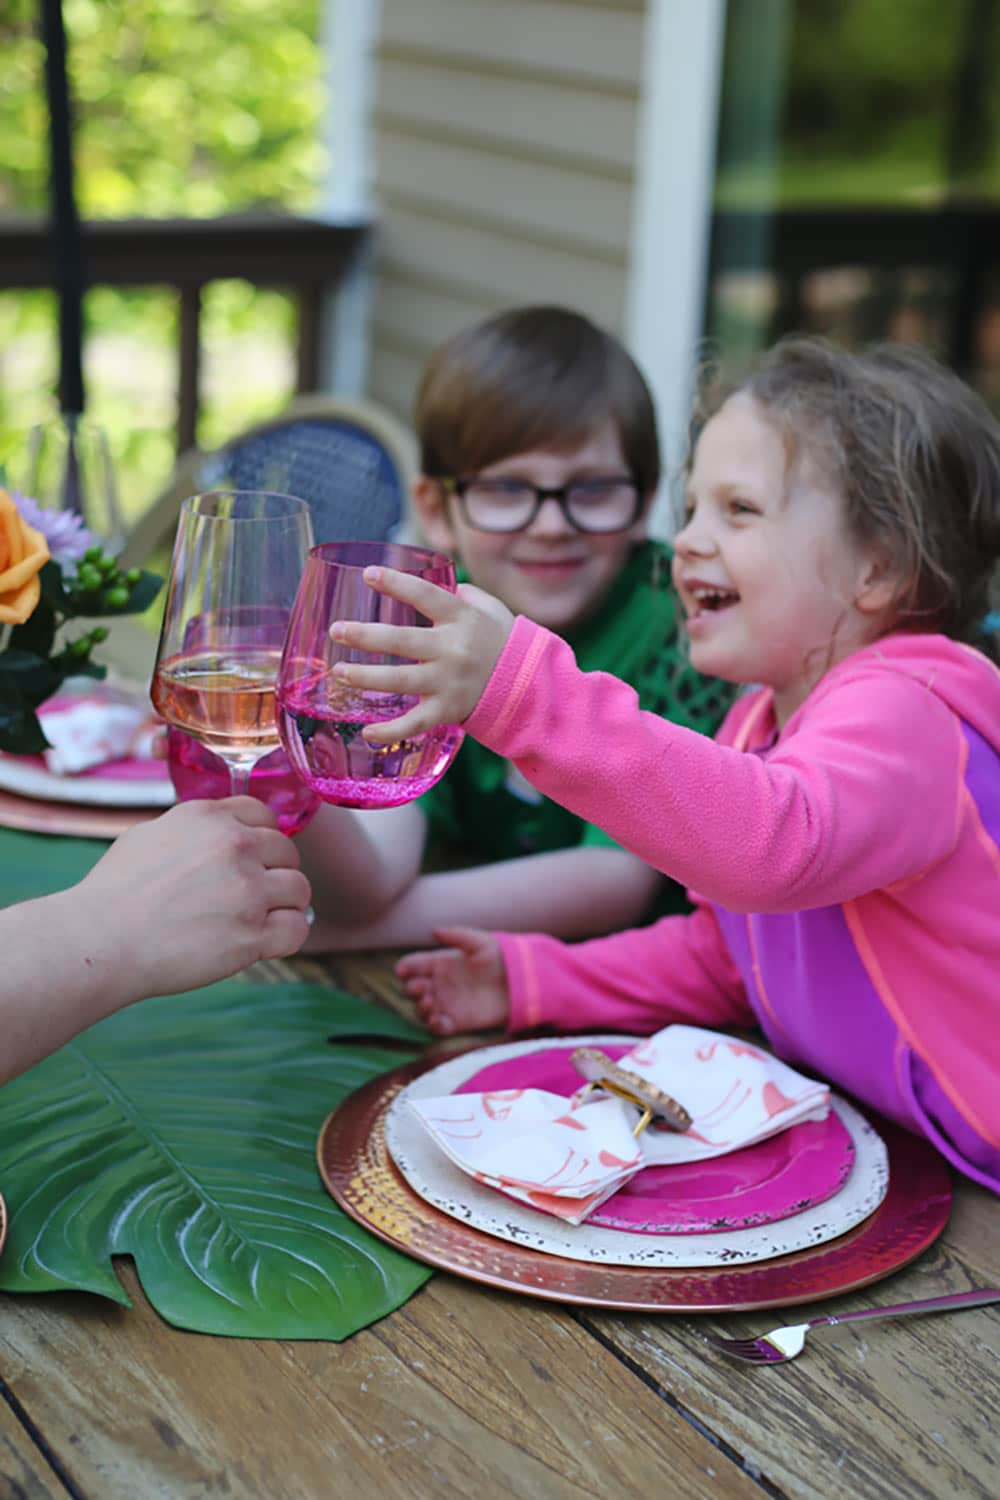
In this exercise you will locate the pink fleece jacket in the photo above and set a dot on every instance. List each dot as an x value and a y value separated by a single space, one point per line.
856 851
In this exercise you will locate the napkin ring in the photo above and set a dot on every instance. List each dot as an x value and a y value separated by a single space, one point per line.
602 1073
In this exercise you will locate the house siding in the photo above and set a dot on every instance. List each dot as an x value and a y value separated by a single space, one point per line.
504 143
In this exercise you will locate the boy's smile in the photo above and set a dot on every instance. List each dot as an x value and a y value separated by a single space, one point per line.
550 571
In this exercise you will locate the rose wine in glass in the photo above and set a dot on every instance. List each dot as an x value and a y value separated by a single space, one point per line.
320 720
238 557
197 772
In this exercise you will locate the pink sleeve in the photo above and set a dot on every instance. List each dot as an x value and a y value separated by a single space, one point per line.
862 791
678 969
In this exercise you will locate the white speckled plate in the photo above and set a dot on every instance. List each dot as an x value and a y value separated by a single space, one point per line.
437 1180
28 776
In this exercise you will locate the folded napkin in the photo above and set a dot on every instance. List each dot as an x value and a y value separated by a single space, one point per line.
88 724
566 1156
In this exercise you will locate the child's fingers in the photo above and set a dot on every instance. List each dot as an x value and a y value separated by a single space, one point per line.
468 940
413 964
414 641
437 603
381 679
389 731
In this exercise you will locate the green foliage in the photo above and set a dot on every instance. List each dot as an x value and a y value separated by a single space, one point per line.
866 101
182 108
31 666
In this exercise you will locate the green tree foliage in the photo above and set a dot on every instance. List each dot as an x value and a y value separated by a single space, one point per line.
182 108
873 100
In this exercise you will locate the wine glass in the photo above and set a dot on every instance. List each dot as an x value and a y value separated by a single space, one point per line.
69 467
238 557
319 718
197 772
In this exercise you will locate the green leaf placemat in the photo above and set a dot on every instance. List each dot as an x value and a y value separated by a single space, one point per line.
182 1131
36 864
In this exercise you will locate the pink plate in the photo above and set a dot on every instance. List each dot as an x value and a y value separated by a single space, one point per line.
761 1184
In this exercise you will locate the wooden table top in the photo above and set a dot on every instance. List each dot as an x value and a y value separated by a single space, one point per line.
469 1391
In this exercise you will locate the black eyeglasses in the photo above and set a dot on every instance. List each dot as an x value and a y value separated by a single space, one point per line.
593 505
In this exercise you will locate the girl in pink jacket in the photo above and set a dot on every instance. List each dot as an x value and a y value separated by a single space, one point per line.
841 836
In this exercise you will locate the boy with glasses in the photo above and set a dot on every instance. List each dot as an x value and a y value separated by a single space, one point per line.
540 461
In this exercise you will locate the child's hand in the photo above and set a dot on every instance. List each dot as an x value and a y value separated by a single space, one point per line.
450 663
461 987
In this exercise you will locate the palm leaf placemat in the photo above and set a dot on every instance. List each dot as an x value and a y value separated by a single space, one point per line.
36 864
182 1132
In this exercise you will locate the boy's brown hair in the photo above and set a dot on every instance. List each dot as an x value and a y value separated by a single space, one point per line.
534 377
916 455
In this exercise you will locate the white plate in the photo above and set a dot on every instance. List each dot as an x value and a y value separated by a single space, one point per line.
437 1180
31 780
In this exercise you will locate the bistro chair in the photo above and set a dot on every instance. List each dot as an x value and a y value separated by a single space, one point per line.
351 460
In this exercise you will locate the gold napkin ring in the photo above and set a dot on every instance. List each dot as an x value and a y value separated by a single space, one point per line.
594 1065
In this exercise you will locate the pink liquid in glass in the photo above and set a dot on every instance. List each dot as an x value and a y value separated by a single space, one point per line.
197 773
320 722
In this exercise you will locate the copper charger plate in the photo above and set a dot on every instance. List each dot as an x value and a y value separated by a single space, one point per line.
360 1175
34 815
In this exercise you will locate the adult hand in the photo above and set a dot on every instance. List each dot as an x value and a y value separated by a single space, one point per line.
460 987
450 662
197 894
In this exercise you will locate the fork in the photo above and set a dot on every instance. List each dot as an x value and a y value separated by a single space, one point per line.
782 1344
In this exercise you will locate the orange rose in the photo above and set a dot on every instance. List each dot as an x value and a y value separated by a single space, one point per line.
23 554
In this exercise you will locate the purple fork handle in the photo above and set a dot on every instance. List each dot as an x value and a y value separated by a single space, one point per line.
928 1304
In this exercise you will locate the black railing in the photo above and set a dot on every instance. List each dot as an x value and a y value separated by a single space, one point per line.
309 258
963 241
305 257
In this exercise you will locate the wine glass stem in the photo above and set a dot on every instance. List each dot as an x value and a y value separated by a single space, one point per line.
239 780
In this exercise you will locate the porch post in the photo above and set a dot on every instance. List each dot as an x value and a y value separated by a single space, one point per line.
349 30
672 211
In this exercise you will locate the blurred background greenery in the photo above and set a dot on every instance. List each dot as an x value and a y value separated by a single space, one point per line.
206 107
870 102
863 104
182 108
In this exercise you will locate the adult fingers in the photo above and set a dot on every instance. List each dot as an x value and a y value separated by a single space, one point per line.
284 931
247 809
274 850
287 889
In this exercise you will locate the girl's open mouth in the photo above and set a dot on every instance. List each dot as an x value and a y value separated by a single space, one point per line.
711 601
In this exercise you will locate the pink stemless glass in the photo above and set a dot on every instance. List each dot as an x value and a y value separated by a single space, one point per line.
319 719
198 773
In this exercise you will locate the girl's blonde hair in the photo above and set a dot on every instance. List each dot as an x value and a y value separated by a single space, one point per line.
916 455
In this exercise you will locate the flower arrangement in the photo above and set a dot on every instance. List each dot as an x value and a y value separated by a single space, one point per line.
52 571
